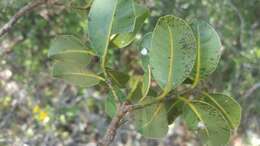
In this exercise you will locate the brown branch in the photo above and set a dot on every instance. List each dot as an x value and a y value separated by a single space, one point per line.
125 108
122 110
29 7
250 91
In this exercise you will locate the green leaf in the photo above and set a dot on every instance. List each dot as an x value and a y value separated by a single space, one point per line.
68 48
141 13
124 19
124 39
135 93
118 94
118 78
151 121
145 45
172 54
122 97
209 50
174 108
110 105
74 74
71 60
230 109
207 121
110 102
147 78
100 22
144 49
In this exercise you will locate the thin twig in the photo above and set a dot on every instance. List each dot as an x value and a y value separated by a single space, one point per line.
250 91
29 7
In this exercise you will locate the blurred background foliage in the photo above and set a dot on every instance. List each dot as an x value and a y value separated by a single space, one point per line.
36 109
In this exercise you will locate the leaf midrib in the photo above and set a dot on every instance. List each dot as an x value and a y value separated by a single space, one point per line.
75 51
170 72
157 111
114 78
148 85
223 111
85 75
197 76
108 37
193 108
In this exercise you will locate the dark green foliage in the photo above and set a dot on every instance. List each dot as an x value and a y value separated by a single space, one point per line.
171 51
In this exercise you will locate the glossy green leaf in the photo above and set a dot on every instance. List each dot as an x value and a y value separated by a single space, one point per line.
124 19
110 105
118 78
74 74
208 50
151 121
172 54
124 39
68 48
100 22
144 49
230 109
207 121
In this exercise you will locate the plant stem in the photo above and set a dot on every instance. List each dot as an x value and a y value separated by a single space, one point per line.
122 110
125 108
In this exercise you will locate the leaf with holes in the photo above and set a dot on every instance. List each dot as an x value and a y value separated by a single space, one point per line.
75 74
208 121
68 48
208 50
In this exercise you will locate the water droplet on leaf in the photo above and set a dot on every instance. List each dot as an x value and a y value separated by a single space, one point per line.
144 51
